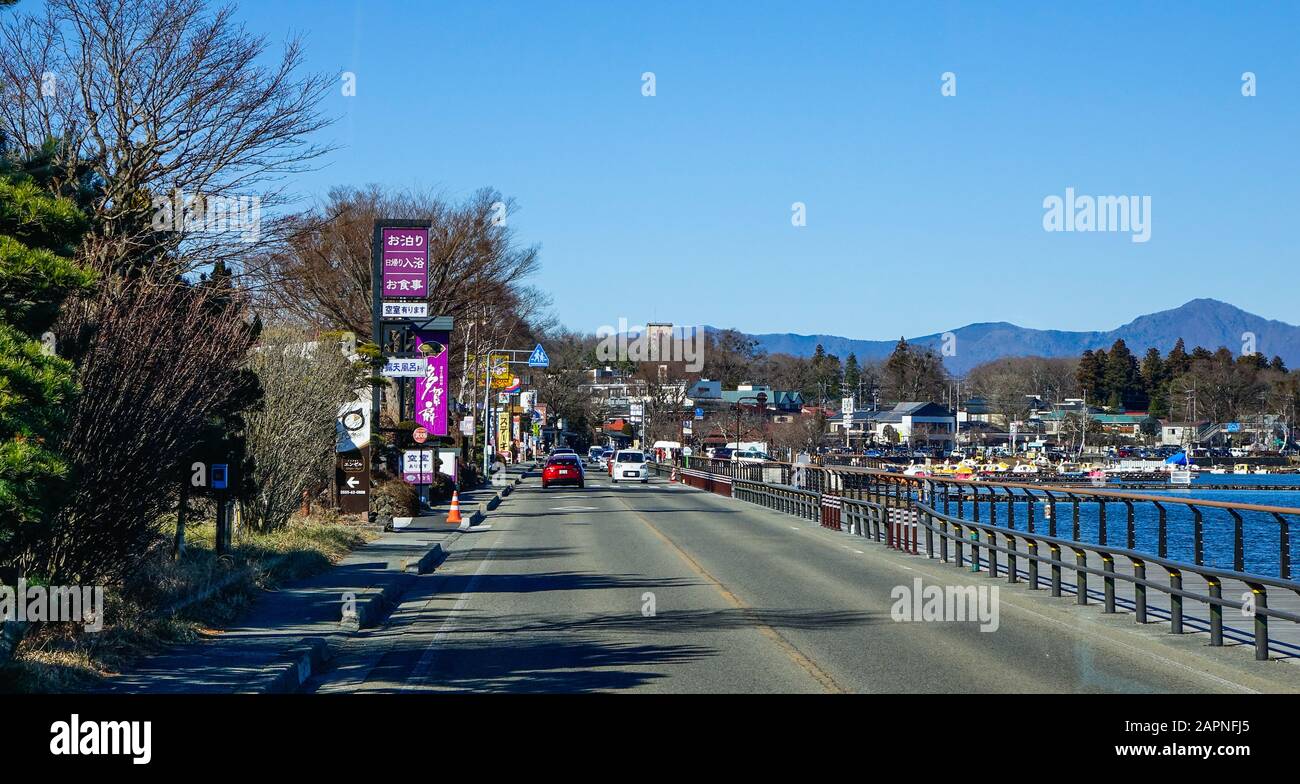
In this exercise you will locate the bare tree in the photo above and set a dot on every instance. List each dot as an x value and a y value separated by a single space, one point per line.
158 365
156 97
291 435
322 275
560 386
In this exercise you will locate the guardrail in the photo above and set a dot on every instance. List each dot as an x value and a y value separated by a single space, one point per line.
962 515
1214 578
1203 532
791 500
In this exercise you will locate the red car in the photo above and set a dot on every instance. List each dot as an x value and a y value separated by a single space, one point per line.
565 469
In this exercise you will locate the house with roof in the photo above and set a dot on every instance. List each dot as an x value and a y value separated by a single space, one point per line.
917 424
777 400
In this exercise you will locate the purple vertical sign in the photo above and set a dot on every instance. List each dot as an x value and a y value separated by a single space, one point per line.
406 262
431 389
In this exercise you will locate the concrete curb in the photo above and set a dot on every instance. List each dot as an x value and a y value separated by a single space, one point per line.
289 674
424 563
368 609
369 606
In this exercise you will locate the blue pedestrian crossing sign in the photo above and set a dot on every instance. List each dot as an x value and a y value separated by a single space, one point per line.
539 358
699 413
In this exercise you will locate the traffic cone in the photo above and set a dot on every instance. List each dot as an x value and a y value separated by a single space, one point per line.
453 514
673 478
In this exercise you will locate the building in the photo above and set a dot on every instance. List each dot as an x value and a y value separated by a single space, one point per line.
777 400
1128 424
1178 434
917 424
704 390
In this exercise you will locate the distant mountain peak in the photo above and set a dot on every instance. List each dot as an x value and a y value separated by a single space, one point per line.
1199 322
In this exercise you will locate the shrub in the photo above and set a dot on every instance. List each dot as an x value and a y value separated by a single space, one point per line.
393 498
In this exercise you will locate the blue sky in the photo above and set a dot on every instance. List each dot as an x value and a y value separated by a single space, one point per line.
924 212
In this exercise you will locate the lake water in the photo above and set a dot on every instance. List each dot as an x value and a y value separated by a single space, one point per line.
1262 531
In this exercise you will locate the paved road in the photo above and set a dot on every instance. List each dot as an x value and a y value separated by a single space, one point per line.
659 588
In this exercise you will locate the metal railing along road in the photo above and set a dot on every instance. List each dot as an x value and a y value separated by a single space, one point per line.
804 504
1206 533
1178 537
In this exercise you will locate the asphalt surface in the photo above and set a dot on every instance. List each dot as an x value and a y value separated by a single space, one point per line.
660 588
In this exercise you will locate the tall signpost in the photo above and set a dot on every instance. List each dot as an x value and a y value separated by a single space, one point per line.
352 462
415 346
500 379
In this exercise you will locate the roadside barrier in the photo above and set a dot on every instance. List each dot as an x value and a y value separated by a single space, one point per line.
898 510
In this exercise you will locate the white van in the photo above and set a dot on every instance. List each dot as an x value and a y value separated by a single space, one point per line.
630 465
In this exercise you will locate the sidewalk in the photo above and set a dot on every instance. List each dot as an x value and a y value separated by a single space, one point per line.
299 620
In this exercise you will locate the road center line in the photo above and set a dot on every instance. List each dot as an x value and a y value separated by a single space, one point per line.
792 653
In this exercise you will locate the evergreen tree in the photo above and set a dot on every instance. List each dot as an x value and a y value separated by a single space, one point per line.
852 375
1091 374
1256 360
1155 382
1177 362
37 233
1122 384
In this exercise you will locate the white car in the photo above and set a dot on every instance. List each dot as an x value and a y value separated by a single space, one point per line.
630 465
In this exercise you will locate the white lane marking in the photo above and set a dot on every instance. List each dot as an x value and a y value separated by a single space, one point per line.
573 508
430 655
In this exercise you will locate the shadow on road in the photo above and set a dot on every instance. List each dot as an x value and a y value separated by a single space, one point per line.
673 622
533 666
453 585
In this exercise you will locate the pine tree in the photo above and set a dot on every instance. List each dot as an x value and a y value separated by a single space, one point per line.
1155 381
1177 362
852 375
1091 374
37 233
1121 378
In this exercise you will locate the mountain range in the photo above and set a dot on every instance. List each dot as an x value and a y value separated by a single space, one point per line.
1201 322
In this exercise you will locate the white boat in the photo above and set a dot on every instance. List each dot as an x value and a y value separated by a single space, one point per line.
1183 478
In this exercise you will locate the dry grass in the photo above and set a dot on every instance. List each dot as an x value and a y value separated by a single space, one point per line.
171 601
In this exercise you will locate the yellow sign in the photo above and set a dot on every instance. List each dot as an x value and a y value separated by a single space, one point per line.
499 368
503 429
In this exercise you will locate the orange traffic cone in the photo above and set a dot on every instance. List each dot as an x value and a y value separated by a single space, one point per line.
453 514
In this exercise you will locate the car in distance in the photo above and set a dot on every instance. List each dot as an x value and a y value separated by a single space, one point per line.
595 455
629 464
565 469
